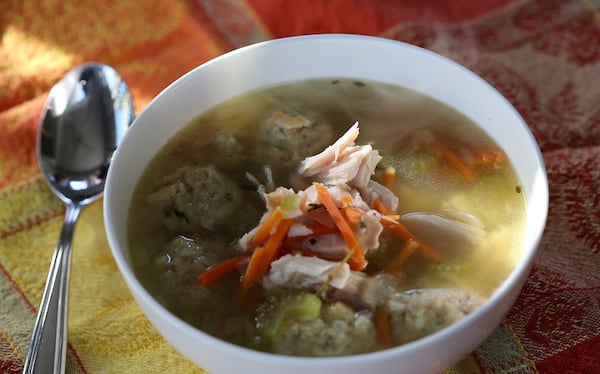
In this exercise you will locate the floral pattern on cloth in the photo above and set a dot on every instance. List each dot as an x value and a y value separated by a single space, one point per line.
543 55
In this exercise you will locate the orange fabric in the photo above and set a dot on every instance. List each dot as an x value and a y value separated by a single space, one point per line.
543 55
295 17
150 43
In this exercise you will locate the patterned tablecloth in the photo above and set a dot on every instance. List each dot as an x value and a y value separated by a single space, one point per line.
543 55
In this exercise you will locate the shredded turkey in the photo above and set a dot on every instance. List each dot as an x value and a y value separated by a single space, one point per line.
315 164
323 234
302 272
343 162
313 273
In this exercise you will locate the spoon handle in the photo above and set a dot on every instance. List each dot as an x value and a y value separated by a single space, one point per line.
47 349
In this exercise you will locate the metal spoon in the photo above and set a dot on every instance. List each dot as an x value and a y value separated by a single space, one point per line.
86 115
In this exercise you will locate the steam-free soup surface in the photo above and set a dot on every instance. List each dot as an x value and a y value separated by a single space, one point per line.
458 198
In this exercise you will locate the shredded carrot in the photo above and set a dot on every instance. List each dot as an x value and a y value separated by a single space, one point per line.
389 174
353 214
452 158
393 267
218 270
424 250
346 201
432 255
382 322
397 227
263 256
253 270
274 242
381 208
357 261
403 233
267 226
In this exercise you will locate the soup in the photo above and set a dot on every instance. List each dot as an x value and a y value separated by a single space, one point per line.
326 217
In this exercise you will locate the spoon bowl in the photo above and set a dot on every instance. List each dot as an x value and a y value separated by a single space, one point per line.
84 119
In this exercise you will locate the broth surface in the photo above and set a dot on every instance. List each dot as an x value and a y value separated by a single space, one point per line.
234 139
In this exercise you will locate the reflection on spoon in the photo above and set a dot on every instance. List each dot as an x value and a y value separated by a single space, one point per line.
86 115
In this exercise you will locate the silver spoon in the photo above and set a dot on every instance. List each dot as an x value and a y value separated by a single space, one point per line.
86 115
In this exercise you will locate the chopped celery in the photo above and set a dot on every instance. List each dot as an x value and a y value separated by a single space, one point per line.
280 310
290 206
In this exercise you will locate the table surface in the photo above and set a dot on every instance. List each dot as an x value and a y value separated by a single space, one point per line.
543 55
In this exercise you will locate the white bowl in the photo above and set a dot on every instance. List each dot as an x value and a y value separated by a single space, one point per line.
326 56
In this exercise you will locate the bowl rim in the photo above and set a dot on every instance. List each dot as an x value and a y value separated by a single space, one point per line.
492 303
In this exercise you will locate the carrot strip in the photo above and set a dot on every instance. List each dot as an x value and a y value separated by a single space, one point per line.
265 229
389 174
253 270
454 160
276 240
353 215
382 322
346 201
378 206
357 260
393 267
429 253
263 256
403 233
397 227
219 270
424 250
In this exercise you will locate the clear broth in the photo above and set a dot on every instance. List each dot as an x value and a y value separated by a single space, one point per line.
391 119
